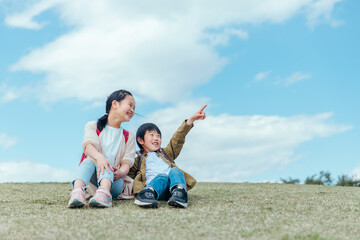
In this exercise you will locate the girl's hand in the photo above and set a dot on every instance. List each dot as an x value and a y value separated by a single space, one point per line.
197 116
118 173
103 163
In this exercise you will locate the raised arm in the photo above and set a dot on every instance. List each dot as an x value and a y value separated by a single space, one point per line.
177 141
199 115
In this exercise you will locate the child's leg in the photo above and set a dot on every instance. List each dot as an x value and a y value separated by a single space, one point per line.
84 173
102 197
161 185
156 189
177 188
106 180
117 188
177 179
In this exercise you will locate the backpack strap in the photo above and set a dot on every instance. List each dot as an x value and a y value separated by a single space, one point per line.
163 153
141 156
126 135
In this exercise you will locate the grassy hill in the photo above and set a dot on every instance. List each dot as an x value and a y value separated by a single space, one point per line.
216 211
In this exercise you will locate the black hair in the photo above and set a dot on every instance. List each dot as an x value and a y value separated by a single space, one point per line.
118 95
142 130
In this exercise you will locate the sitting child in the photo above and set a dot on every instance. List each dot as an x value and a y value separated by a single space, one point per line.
156 177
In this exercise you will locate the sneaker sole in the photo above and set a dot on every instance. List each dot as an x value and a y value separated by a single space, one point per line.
146 204
94 203
76 203
177 204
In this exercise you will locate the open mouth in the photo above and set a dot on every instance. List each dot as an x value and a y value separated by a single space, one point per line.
129 114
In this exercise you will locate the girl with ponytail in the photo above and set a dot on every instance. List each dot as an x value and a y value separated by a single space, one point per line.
109 153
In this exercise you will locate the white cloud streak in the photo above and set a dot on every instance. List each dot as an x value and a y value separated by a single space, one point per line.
261 76
296 77
27 171
25 18
321 11
7 141
157 49
234 148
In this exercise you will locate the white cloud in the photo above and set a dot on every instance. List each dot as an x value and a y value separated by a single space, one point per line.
234 148
223 37
7 141
27 171
296 77
355 174
7 96
25 18
155 49
261 76
321 11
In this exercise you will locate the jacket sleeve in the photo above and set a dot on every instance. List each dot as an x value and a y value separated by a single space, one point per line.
133 170
177 141
129 151
90 136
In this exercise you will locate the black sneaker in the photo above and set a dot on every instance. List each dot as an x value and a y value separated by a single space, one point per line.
178 198
146 199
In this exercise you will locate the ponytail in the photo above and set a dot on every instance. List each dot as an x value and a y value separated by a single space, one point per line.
101 123
118 95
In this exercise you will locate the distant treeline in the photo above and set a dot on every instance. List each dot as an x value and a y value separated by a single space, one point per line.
324 178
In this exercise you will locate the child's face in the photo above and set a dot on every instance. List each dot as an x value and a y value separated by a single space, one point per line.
125 108
151 142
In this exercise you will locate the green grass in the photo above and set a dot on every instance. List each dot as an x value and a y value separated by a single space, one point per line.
215 211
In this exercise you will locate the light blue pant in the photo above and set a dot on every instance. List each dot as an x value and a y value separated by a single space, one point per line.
86 172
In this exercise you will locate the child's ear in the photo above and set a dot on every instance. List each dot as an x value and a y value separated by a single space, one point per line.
140 140
114 104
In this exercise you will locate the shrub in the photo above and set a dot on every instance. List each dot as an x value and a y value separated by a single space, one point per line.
345 180
290 180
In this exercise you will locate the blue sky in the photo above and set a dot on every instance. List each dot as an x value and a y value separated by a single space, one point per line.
280 79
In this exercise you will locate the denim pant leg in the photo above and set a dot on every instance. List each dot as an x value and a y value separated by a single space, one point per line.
85 171
161 185
109 175
176 178
117 188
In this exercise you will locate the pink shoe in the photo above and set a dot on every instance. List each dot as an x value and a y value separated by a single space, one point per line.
77 198
102 198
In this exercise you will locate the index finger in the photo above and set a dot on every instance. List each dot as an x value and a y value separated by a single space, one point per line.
203 108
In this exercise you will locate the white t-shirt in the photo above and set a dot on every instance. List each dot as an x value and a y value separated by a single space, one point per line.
154 166
110 142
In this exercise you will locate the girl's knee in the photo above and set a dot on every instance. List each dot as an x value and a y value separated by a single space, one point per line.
88 162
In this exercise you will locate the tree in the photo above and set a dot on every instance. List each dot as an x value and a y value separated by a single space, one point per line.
323 179
345 180
290 180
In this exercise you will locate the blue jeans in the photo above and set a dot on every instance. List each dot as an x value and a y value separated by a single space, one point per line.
86 172
163 184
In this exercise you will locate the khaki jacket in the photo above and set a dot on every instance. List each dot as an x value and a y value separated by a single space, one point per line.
172 151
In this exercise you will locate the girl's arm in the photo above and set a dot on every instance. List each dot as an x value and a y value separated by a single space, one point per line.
102 162
122 171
